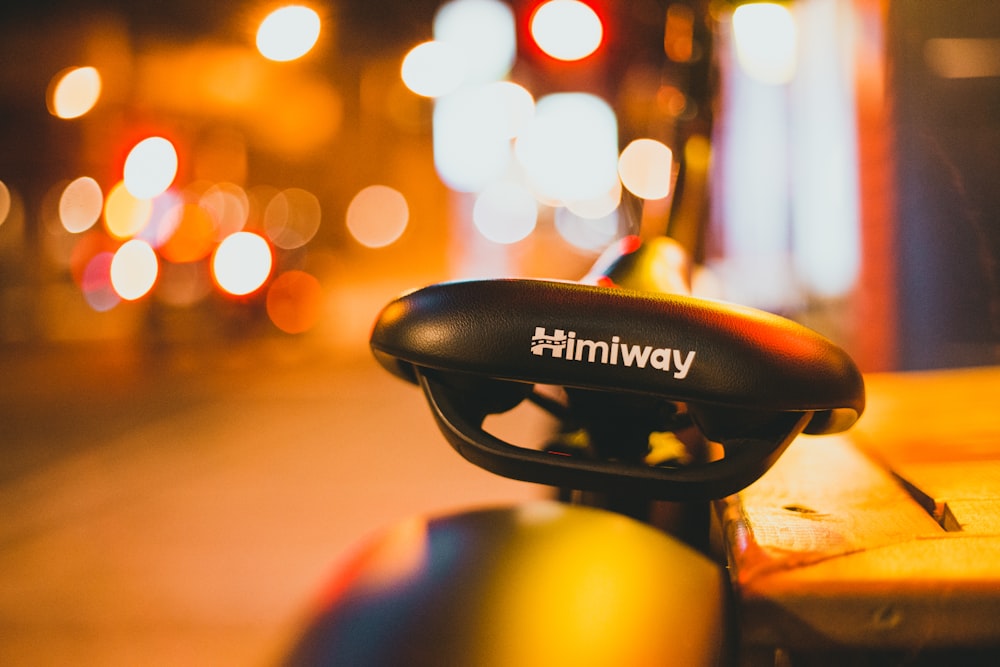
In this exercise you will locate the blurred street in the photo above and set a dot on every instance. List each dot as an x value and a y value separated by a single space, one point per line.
186 508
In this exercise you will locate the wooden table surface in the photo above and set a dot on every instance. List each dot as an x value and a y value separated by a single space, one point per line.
885 537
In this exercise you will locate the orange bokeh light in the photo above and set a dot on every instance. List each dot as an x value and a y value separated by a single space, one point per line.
194 237
295 301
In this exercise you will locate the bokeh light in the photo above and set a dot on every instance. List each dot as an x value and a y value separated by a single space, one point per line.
484 33
288 33
569 150
5 202
515 101
766 40
505 213
600 206
472 133
646 167
589 234
292 218
74 91
80 204
377 216
134 269
242 263
228 205
433 69
150 167
294 301
566 29
163 219
125 215
96 283
193 236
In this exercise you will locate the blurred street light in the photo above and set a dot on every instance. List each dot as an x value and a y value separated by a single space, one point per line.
288 33
74 91
567 29
242 263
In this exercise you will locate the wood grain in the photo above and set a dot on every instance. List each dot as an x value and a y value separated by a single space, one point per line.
829 549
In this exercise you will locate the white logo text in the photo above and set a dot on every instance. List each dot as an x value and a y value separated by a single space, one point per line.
565 345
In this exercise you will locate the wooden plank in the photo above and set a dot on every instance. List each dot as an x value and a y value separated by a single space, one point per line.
829 549
822 499
966 492
923 593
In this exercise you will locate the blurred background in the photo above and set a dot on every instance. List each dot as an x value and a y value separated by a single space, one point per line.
173 173
203 206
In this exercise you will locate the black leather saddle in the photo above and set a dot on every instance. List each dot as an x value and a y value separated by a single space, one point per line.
749 381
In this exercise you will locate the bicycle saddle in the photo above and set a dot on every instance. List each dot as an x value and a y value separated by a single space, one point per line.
749 380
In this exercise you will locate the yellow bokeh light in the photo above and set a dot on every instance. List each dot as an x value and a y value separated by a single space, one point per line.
377 216
150 167
242 263
80 205
288 33
134 269
645 167
566 29
766 40
74 91
433 69
124 214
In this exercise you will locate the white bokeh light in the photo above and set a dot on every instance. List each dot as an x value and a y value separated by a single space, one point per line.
150 167
505 213
591 234
433 69
377 216
484 32
80 204
134 269
242 263
288 33
566 29
600 206
471 139
569 150
766 39
75 92
645 167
